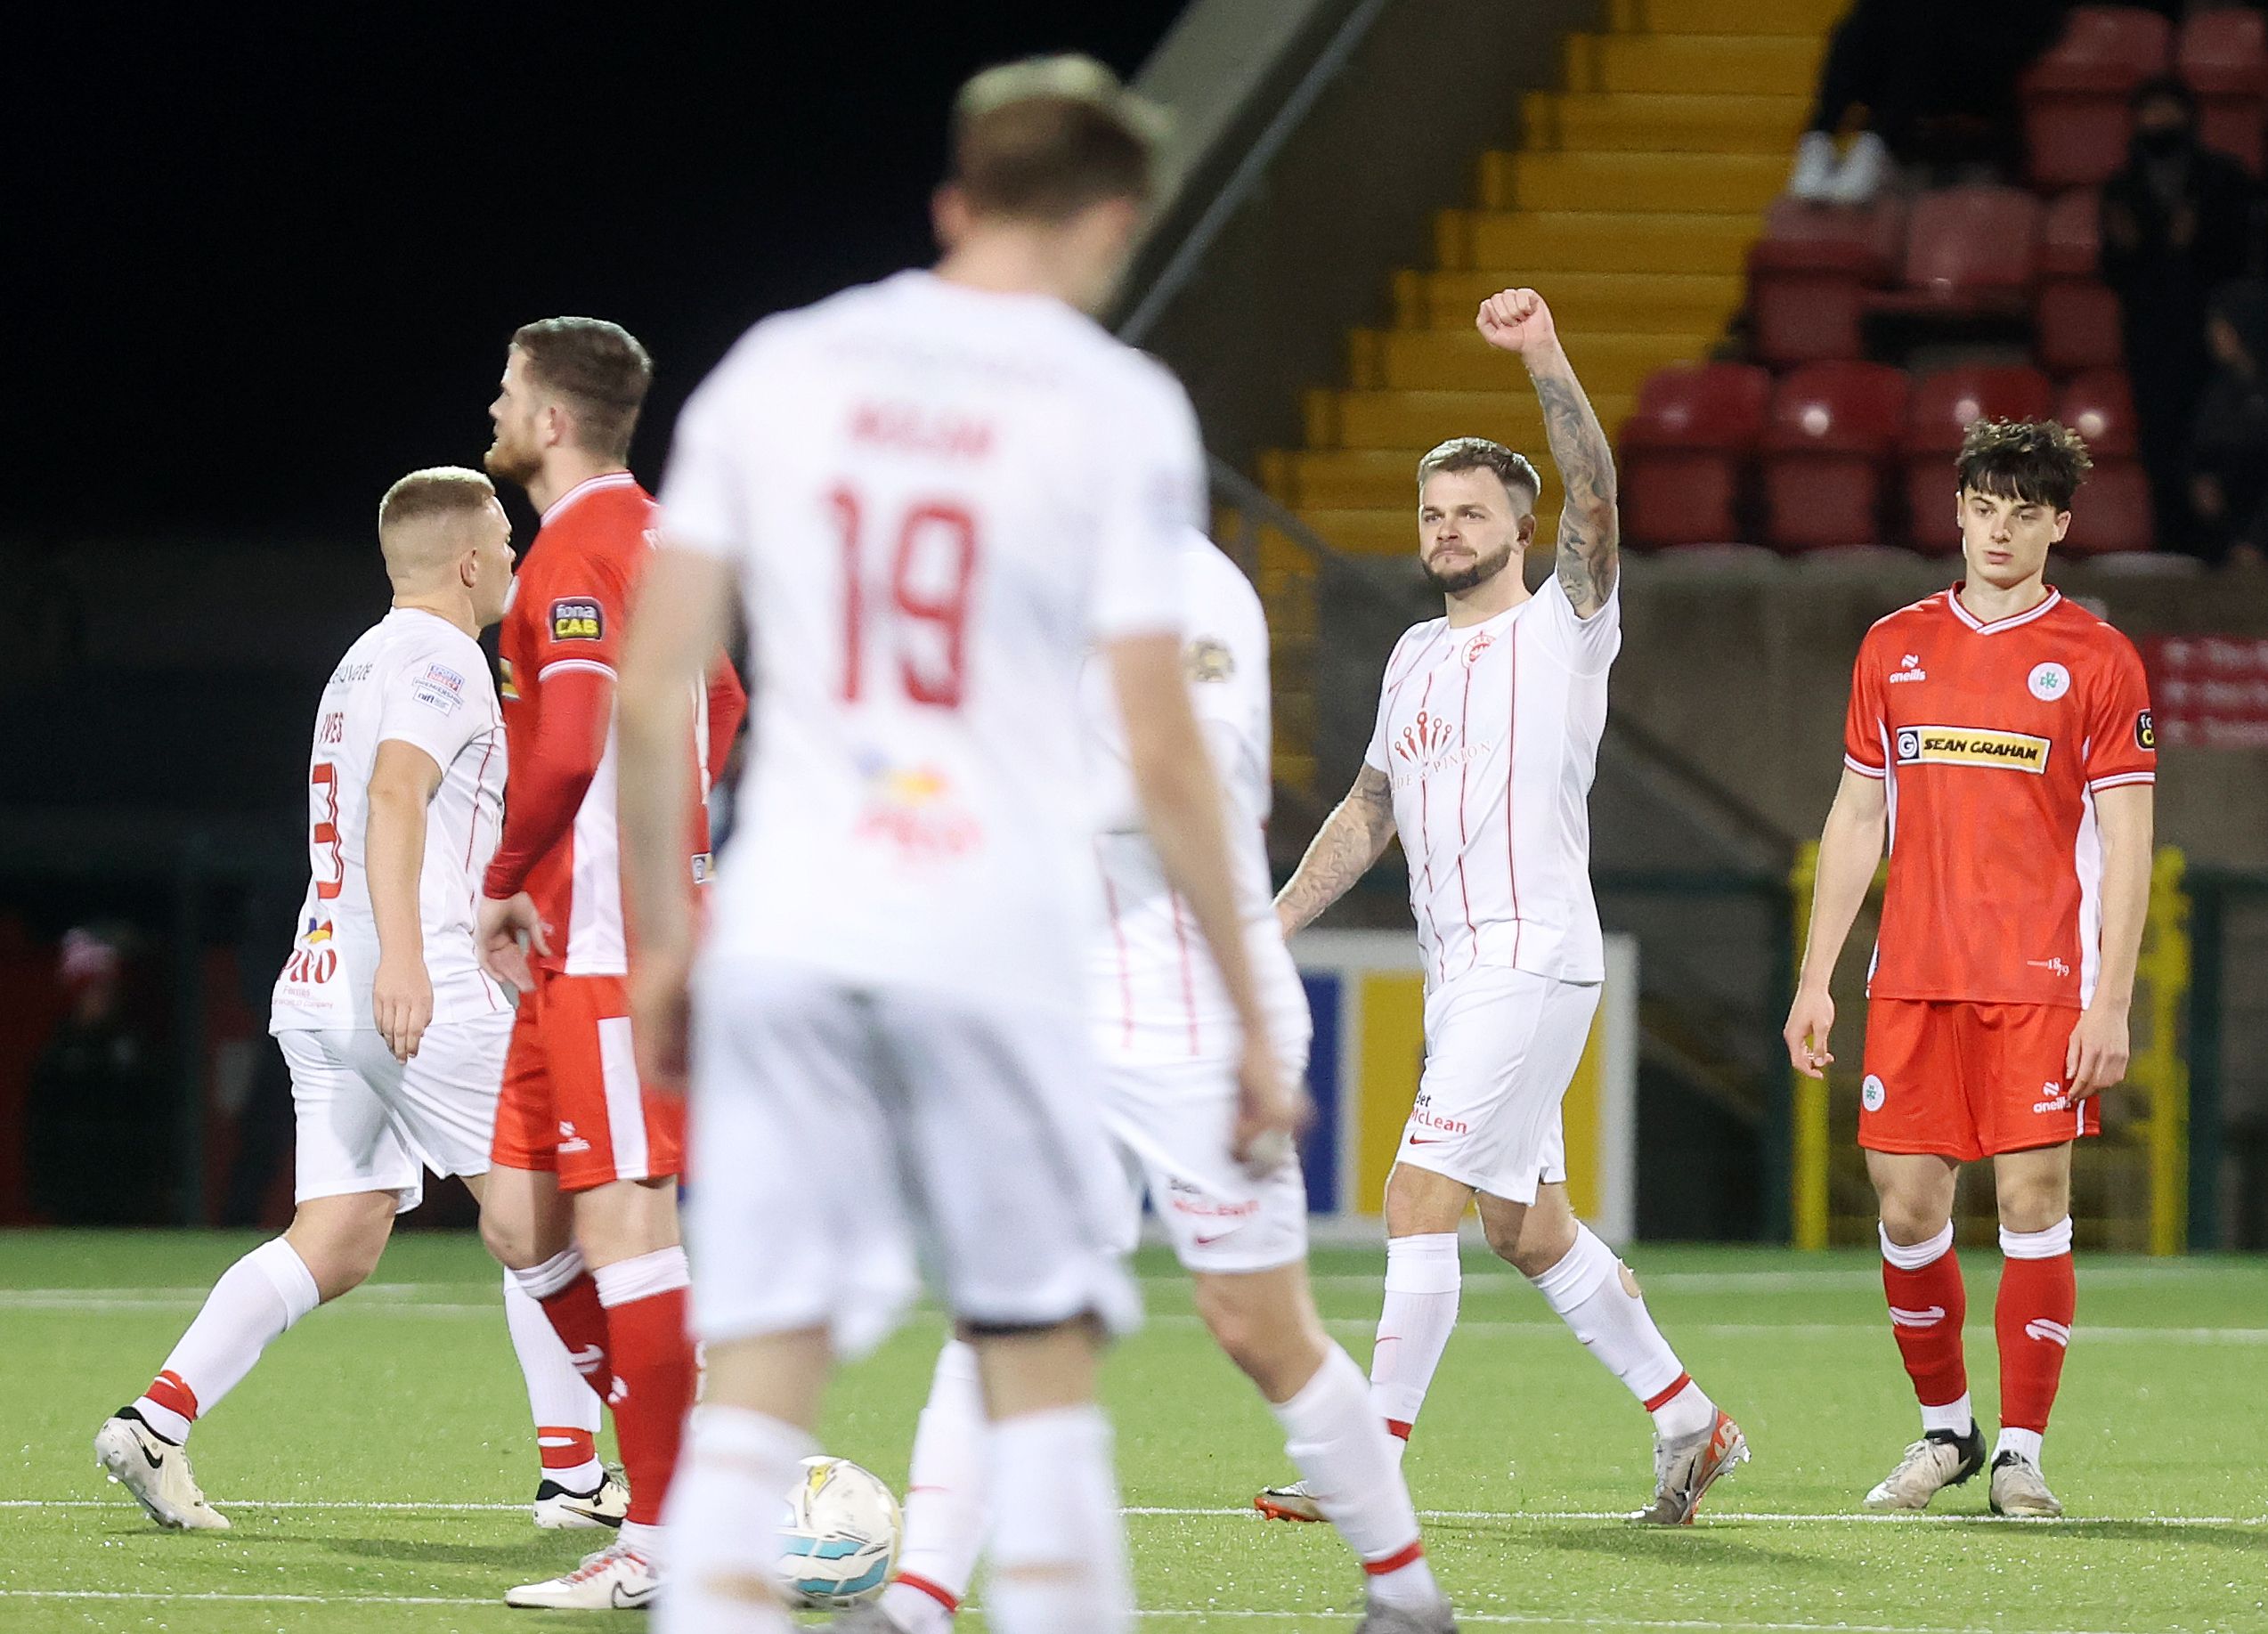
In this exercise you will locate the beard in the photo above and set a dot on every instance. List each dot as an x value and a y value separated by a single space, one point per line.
511 463
1456 581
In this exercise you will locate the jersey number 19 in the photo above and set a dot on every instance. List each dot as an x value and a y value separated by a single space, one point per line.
932 564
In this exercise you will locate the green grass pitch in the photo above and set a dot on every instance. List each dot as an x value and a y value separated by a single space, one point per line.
375 1463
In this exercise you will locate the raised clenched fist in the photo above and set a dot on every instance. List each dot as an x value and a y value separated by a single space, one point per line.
1516 320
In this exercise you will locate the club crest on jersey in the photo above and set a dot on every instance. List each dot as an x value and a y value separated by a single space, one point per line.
1209 659
1481 644
2048 681
577 618
1972 746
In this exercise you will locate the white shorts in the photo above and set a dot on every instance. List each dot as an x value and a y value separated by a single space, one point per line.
1501 1046
1173 1122
834 1131
369 1123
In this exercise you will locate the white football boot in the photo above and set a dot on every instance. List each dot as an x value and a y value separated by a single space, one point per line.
617 1578
156 1473
1685 1469
1289 1503
2018 1489
1939 1459
1813 176
559 1509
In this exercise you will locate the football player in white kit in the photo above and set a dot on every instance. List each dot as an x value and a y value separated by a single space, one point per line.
1167 1037
1483 758
393 1036
934 494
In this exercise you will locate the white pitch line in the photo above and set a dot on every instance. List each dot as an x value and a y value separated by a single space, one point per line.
1585 1620
1246 1512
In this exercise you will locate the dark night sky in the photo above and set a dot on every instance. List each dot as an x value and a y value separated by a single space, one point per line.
273 267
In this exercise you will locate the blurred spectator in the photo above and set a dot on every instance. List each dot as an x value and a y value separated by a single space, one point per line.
98 1108
1938 80
2178 221
2228 449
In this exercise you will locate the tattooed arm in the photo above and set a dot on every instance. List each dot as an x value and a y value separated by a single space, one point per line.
1350 840
1590 536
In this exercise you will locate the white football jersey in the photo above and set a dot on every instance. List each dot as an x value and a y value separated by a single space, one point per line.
415 677
936 498
1490 735
1156 994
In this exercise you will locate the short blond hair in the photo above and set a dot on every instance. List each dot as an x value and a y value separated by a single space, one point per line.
437 490
1043 139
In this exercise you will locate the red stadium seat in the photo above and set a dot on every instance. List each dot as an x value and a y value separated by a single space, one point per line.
2075 326
2100 406
1974 249
1809 273
1833 426
1938 415
2071 235
1685 448
2075 122
2223 55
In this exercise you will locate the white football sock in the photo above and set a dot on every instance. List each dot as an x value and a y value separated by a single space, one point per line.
557 1397
1058 1547
254 1302
1422 1283
1586 1288
730 1488
2023 1443
944 1507
1333 1434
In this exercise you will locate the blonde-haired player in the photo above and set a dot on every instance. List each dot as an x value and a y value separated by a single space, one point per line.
394 1037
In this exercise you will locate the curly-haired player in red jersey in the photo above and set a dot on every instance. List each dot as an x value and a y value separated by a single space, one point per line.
583 1207
2002 736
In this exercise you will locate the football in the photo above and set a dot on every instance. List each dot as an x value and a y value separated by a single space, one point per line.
839 1539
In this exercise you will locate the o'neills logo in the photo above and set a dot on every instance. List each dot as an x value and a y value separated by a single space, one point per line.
1971 747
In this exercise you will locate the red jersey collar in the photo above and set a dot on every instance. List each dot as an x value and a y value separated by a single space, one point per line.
1953 600
590 484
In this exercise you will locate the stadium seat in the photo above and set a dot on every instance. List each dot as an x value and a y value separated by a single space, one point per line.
1833 427
2223 55
2075 326
1685 448
1938 415
2076 121
2071 235
1809 273
2113 510
1973 250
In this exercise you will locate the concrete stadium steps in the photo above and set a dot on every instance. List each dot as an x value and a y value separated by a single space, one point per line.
1686 304
1715 183
1458 360
1666 64
1603 123
1544 242
1417 420
1370 479
1809 17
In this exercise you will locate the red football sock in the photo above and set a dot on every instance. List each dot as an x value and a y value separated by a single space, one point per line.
1927 1306
2038 1294
580 1319
655 1374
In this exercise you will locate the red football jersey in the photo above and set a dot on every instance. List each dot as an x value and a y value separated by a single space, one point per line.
1993 740
569 603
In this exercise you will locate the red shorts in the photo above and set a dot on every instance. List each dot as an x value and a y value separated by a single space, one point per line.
1969 1081
571 1101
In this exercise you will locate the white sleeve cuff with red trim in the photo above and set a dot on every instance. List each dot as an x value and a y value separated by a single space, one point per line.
1864 770
2117 780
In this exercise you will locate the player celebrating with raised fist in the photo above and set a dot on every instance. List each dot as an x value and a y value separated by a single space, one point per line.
2001 734
1486 746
